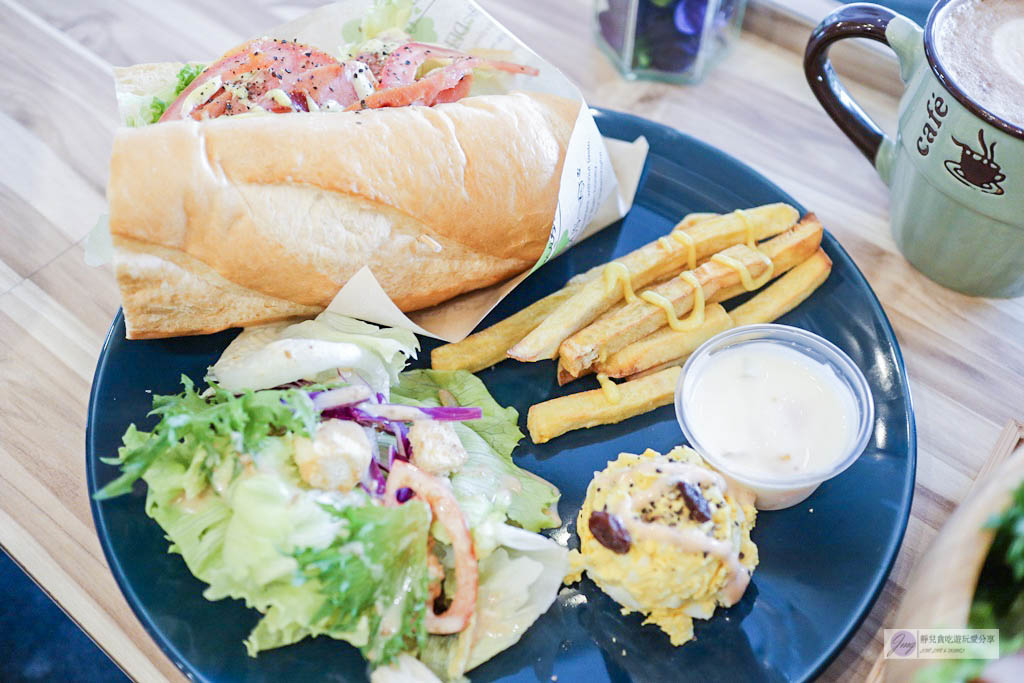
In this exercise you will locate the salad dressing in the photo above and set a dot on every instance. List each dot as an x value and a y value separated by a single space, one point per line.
681 237
748 282
696 317
748 225
771 411
686 240
200 94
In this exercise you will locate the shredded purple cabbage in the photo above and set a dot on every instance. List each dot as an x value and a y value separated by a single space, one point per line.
402 438
378 479
354 413
454 413
403 494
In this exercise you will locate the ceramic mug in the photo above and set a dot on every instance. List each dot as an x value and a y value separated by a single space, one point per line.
955 171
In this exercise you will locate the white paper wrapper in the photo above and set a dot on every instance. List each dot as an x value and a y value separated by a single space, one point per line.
599 177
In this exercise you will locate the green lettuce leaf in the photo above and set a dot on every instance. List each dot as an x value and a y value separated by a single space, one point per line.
404 669
144 109
489 485
392 345
1009 542
373 577
315 350
193 426
241 545
196 528
152 112
386 25
386 15
187 74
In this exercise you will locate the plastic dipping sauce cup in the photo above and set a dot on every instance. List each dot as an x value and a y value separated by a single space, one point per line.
775 364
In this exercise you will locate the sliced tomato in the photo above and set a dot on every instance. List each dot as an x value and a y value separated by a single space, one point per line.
446 510
424 91
260 66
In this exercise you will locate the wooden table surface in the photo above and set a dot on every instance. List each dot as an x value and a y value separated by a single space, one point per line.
965 356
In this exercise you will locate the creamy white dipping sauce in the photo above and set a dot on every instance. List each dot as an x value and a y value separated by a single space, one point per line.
770 412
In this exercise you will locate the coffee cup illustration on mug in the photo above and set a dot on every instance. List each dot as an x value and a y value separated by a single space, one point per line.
977 168
955 164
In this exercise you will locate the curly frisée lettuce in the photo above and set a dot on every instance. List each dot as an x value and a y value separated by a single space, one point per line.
373 578
198 431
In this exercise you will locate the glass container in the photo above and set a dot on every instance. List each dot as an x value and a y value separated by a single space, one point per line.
667 40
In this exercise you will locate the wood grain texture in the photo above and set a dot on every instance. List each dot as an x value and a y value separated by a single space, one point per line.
965 356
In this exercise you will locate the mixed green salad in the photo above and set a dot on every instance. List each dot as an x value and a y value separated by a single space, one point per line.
998 604
338 495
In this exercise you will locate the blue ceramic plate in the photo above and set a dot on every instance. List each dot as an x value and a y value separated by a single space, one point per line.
822 562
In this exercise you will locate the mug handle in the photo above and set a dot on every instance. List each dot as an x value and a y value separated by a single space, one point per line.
861 20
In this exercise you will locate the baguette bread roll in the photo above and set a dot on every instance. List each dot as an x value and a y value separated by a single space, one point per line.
247 220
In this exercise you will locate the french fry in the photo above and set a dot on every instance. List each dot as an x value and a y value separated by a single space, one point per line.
490 346
611 367
563 375
692 219
766 306
664 346
587 409
786 293
783 259
636 320
646 265
674 363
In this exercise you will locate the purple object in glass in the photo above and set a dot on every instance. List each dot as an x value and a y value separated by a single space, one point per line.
688 16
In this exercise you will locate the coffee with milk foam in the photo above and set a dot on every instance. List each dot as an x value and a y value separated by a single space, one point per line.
980 43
